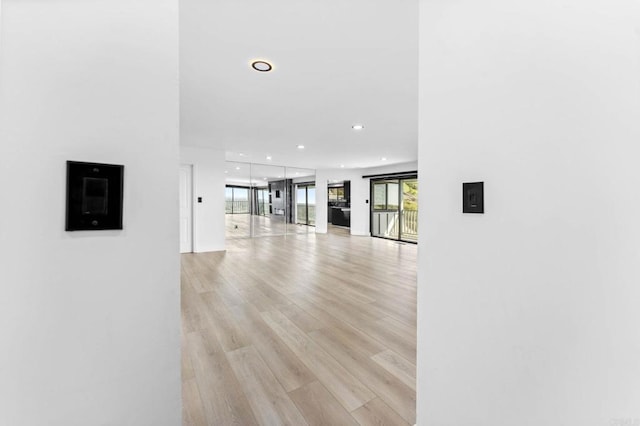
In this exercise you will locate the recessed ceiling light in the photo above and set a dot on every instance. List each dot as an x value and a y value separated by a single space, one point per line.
262 66
226 171
384 158
264 178
357 127
342 166
241 155
237 168
300 146
268 157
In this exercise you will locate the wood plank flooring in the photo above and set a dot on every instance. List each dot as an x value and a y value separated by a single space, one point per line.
312 329
240 226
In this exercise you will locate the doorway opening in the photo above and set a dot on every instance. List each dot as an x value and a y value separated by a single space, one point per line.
186 208
339 203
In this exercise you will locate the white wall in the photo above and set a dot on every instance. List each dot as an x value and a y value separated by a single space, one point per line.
322 198
89 320
209 182
528 314
360 193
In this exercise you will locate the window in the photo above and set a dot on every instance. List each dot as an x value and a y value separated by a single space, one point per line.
336 193
236 200
385 195
306 204
392 196
394 213
262 195
379 196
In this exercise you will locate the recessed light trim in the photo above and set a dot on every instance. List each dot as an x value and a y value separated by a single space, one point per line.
357 126
261 66
300 146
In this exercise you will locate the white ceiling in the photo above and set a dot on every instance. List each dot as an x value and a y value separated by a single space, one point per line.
261 174
336 63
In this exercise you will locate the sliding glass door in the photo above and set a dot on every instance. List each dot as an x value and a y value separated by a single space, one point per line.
306 204
311 205
236 200
394 210
409 210
270 209
385 218
301 205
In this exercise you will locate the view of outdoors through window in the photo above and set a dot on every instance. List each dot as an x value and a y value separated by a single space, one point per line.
263 200
336 193
306 204
395 212
270 200
236 200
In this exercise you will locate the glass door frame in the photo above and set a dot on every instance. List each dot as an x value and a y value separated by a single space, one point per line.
305 186
389 179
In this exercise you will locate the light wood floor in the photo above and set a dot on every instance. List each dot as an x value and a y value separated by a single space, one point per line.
239 226
304 329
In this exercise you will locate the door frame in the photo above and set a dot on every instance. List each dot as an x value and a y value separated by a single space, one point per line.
191 201
386 179
306 186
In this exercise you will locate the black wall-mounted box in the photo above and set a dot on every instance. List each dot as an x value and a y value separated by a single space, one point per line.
94 196
473 197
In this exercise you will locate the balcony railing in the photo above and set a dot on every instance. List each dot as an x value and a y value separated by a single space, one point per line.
236 207
242 207
410 225
388 224
302 214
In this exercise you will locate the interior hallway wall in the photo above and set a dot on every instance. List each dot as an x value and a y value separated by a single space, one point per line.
528 314
209 184
90 321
